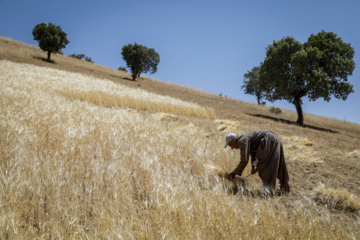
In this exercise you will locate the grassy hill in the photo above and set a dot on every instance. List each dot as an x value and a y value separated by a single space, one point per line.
87 153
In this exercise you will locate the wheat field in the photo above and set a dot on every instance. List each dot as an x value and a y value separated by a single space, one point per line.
86 158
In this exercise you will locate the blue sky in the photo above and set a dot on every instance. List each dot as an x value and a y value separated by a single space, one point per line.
208 45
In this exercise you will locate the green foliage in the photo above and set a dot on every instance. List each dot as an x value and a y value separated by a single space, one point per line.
81 57
318 68
50 37
252 84
277 80
122 69
140 59
275 110
334 64
88 59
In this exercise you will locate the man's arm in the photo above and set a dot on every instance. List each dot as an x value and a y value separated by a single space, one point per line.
254 160
254 163
244 153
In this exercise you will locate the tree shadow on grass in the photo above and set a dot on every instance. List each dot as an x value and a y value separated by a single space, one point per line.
293 123
44 60
124 78
129 79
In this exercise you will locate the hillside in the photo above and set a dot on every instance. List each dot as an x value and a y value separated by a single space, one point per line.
86 152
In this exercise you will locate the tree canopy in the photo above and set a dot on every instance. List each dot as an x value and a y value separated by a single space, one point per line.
50 37
319 68
252 84
81 57
140 59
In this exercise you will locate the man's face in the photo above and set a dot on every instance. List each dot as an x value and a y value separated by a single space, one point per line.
233 144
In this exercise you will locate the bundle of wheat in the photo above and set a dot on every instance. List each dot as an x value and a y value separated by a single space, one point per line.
233 186
165 116
354 154
228 125
300 149
337 198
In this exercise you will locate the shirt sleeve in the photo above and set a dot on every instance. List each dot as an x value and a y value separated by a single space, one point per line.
244 153
254 160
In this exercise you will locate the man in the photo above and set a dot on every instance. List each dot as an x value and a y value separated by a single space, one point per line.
267 157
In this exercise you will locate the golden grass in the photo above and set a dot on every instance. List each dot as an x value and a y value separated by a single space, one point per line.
23 53
58 82
8 47
337 198
228 125
309 119
354 154
102 98
75 168
165 116
331 123
300 149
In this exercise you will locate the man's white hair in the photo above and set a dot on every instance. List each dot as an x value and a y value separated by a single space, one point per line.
229 138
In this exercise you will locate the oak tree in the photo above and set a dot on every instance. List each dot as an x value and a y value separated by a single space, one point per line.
140 59
50 37
252 84
319 68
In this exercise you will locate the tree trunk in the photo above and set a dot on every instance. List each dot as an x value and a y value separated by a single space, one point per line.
258 96
300 120
48 58
133 76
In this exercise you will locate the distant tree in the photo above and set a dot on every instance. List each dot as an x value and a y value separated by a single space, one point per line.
77 56
88 59
122 69
275 110
81 57
50 37
252 84
318 68
140 59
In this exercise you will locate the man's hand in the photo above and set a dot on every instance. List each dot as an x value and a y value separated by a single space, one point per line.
254 170
231 176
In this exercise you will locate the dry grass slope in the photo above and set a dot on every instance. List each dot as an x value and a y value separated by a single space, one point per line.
143 104
337 198
76 162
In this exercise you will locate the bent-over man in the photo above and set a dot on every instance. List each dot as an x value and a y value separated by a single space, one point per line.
267 157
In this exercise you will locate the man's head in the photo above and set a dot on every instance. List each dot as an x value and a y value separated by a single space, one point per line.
231 140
